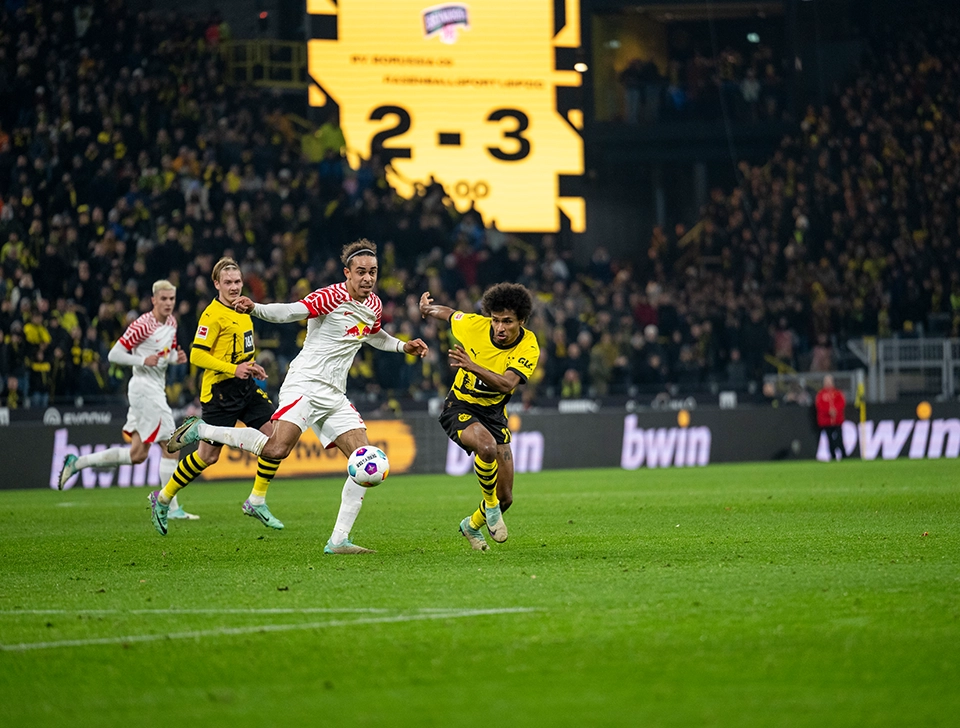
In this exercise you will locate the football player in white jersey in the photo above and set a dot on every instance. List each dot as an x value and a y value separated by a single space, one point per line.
148 345
341 318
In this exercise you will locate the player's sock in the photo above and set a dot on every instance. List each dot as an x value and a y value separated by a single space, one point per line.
168 466
266 469
478 518
242 438
487 475
185 472
109 458
351 499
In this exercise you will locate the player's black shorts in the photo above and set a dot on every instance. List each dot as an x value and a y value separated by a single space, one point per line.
237 399
458 416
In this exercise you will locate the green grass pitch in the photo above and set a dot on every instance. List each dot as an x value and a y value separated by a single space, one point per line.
792 594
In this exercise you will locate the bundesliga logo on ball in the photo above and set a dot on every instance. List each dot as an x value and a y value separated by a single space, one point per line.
368 466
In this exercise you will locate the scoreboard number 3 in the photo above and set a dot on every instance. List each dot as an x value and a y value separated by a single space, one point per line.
523 123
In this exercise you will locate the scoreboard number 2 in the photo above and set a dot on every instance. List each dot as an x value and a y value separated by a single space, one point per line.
403 126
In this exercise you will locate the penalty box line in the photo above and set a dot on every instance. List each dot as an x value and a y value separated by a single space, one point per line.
264 628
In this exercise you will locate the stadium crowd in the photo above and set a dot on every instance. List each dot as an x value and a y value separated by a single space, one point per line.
698 86
125 157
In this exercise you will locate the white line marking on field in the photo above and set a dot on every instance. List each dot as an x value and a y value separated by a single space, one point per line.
264 628
174 610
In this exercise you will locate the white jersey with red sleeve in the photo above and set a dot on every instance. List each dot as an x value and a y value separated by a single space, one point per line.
147 336
336 327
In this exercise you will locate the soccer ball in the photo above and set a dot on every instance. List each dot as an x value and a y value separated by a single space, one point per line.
368 466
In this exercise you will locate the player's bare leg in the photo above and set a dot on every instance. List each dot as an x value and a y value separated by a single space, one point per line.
505 476
351 500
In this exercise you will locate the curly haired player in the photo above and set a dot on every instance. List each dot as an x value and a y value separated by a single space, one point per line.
495 355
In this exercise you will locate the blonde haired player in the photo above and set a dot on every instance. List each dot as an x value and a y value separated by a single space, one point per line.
223 347
149 345
341 318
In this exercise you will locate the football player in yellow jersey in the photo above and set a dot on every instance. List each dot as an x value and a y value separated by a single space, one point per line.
495 355
223 348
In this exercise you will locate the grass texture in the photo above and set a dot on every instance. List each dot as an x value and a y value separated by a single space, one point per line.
787 594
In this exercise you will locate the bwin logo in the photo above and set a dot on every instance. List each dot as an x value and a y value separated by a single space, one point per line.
52 417
887 439
663 447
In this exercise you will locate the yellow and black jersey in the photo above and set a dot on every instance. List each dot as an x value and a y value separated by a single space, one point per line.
476 336
227 338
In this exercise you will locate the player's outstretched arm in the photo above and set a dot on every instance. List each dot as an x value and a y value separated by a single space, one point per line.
506 382
277 313
429 308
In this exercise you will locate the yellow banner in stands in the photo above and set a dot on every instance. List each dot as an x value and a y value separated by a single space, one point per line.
466 93
310 459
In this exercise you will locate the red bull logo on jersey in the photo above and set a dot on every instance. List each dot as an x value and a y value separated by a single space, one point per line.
358 330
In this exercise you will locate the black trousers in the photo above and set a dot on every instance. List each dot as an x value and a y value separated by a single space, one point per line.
835 442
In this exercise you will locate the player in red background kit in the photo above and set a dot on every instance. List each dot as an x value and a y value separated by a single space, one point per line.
830 404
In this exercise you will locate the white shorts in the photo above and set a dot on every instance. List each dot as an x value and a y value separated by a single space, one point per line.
320 407
149 416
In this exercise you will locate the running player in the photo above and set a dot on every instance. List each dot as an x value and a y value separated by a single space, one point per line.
341 318
502 356
148 345
223 348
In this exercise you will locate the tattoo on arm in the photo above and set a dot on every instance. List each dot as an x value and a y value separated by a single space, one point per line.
507 455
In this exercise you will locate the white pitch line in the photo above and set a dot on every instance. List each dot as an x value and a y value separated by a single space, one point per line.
231 631
173 610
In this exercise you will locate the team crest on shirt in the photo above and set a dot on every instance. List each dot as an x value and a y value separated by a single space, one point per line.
358 330
202 332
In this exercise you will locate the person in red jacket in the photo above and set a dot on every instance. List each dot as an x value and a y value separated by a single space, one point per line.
830 404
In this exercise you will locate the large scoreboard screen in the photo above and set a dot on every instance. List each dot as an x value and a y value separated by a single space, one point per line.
481 96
